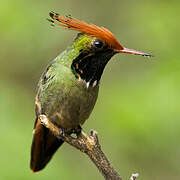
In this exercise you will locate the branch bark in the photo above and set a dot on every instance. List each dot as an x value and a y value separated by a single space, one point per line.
88 145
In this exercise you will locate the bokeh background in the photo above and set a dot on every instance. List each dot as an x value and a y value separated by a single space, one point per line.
137 113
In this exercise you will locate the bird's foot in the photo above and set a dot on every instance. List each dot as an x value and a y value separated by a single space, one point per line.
76 130
62 132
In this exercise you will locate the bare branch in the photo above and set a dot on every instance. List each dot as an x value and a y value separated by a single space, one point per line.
88 145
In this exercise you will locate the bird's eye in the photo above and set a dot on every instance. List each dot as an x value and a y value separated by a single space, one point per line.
98 43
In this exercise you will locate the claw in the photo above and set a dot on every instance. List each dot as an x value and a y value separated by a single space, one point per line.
77 130
61 131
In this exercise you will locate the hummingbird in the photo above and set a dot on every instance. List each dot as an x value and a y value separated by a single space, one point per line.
68 88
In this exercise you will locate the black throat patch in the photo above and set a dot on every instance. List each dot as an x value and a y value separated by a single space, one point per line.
89 66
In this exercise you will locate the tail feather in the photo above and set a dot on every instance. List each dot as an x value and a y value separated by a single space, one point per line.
43 147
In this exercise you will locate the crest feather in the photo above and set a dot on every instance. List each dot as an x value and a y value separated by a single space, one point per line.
71 23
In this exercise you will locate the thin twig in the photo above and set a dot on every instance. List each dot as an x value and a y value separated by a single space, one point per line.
134 176
88 145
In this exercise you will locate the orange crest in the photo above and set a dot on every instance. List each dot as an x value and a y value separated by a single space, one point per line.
71 23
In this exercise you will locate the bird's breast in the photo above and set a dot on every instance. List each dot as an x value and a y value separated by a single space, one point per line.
73 104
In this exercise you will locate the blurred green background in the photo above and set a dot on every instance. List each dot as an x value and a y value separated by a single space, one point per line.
137 113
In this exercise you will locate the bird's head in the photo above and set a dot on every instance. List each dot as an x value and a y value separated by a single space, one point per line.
96 46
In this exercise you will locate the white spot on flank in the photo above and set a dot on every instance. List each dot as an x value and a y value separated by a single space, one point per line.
87 84
95 83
